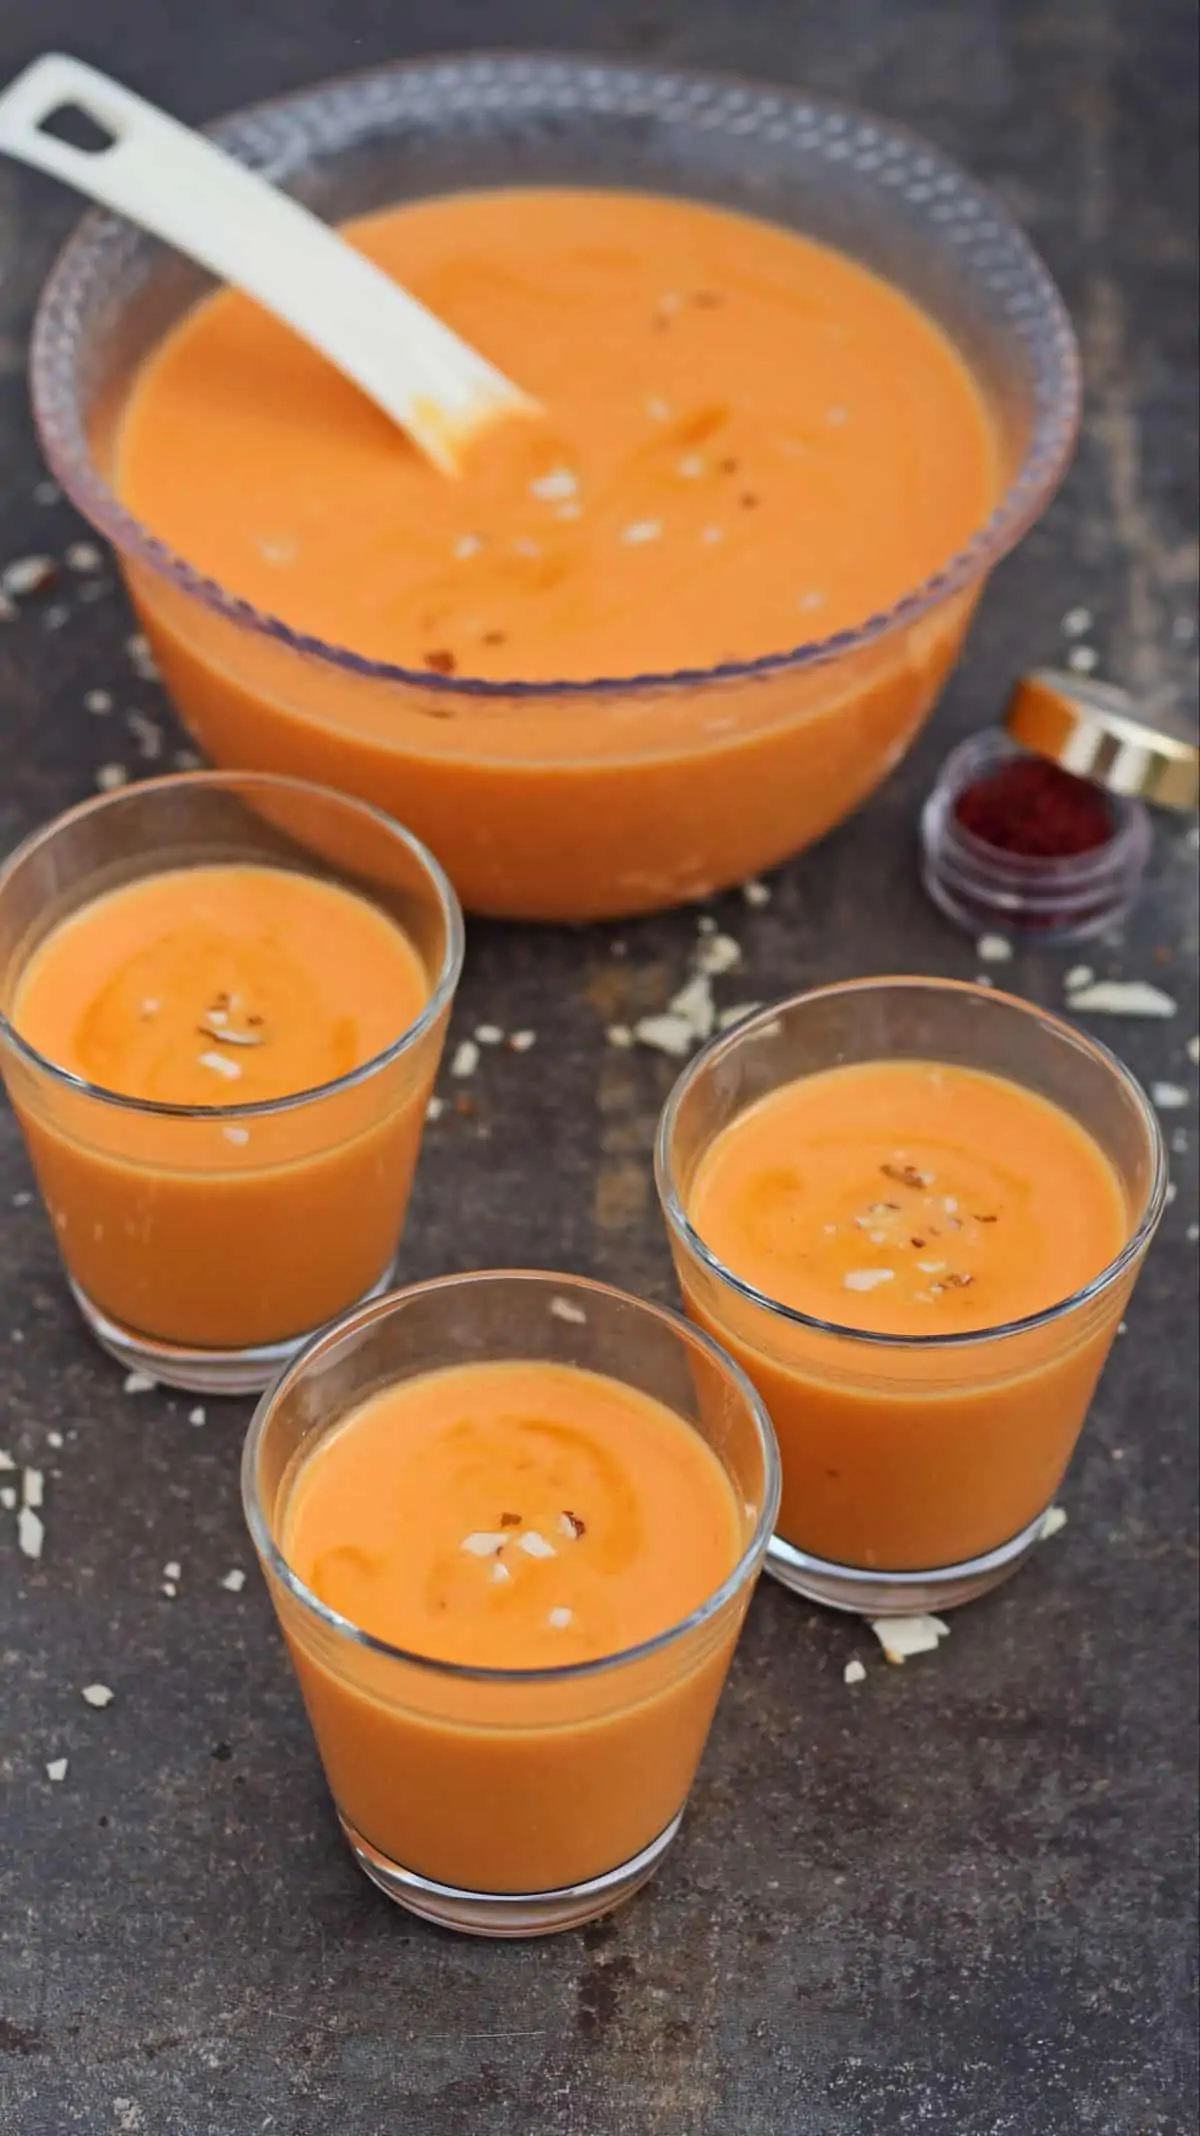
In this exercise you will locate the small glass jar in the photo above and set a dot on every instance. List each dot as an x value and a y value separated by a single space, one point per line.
1063 899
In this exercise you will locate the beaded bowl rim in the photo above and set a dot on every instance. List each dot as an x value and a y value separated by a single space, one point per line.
608 88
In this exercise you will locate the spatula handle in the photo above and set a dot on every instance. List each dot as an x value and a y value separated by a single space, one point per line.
184 189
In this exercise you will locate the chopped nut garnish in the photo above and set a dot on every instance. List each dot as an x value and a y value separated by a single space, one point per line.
219 1065
552 487
510 1520
907 1175
867 1279
441 662
229 1038
571 1524
482 1543
958 1281
535 1545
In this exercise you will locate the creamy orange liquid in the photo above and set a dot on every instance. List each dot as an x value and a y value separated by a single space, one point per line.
511 1516
221 987
918 1199
749 442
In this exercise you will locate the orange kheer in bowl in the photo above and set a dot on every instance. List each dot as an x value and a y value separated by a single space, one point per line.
662 634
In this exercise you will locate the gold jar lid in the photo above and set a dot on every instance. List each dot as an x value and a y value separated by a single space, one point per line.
1097 731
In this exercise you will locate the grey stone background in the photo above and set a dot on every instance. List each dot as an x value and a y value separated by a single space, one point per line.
956 1899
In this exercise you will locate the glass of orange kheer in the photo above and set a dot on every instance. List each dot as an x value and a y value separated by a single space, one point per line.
511 1523
804 383
223 998
914 1212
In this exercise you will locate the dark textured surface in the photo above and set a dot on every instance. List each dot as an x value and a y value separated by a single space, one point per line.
955 1899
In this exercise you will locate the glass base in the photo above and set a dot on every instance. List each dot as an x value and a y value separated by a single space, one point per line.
229 1372
898 1594
505 1913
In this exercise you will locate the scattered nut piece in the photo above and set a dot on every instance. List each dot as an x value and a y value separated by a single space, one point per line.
1122 997
31 1533
901 1637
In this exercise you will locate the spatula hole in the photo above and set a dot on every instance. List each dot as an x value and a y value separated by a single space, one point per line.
78 129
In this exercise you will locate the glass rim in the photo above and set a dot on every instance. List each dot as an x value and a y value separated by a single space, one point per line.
157 1108
272 1557
1057 399
680 1226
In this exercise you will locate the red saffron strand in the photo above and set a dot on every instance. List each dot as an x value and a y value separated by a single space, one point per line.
1036 809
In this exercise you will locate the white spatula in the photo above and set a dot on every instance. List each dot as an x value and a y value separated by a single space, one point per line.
176 184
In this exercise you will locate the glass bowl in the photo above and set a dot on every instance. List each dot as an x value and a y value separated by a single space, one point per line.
594 799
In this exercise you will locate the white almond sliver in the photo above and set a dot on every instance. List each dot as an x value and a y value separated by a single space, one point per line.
483 1543
1053 1522
535 1545
30 1533
1169 1097
901 1637
854 1673
56 1768
868 1279
97 1695
694 1002
563 1309
718 953
559 1619
559 483
675 1035
220 1065
1123 997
